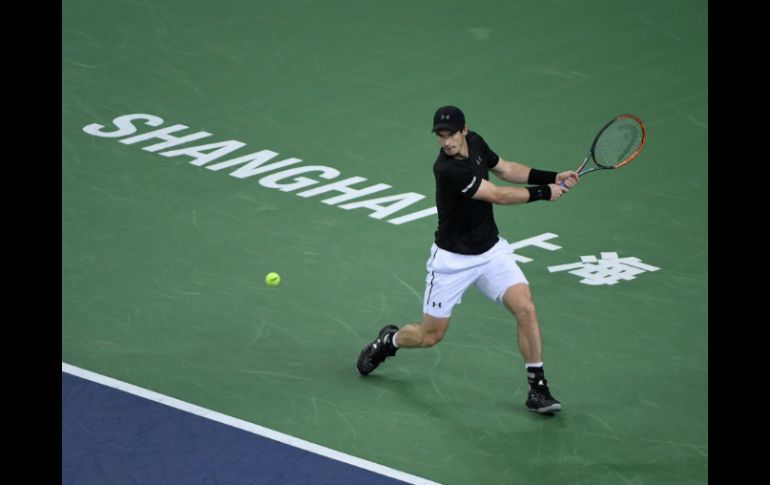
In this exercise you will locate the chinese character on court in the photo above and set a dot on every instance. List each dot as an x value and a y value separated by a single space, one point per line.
605 271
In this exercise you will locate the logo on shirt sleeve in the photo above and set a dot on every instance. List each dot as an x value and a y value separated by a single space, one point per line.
469 185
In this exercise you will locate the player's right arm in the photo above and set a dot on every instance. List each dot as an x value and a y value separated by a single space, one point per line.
506 195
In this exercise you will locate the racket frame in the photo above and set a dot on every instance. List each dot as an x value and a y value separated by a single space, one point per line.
581 170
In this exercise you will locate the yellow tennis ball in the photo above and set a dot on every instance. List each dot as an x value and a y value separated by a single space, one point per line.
273 279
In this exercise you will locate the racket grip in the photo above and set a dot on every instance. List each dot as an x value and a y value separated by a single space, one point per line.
563 185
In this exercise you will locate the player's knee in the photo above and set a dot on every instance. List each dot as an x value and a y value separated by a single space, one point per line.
429 339
525 311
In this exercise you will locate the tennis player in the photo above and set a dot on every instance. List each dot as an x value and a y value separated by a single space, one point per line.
469 251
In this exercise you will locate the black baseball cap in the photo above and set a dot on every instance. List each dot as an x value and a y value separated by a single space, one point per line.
448 118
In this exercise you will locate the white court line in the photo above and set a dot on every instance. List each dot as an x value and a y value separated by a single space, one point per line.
244 425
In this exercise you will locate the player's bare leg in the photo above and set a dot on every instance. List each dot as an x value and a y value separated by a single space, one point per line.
425 334
518 299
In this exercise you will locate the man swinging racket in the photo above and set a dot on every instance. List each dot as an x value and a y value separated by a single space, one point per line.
468 250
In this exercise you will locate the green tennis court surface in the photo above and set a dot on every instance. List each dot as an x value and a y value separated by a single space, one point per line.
164 260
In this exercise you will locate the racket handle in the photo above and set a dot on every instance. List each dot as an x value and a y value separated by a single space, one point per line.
563 185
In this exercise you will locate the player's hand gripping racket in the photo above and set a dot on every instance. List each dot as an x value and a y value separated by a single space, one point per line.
616 144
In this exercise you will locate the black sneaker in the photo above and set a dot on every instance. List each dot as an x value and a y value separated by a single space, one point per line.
378 350
540 400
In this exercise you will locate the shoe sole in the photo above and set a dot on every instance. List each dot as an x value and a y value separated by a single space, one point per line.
360 359
553 408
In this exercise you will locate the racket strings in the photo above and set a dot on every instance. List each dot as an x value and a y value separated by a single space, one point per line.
618 142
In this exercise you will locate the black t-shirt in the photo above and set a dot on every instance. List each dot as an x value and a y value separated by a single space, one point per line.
465 225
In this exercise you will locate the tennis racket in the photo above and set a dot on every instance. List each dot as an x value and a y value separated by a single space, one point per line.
617 143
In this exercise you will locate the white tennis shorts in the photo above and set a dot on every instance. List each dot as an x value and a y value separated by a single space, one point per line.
450 275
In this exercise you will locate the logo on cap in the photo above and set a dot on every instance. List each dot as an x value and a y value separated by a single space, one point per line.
448 118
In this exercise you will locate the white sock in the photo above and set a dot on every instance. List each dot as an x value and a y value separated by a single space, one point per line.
393 339
533 364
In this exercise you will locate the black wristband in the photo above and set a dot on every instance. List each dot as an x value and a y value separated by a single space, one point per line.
541 177
540 192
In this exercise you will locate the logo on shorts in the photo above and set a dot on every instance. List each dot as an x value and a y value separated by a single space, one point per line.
434 304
